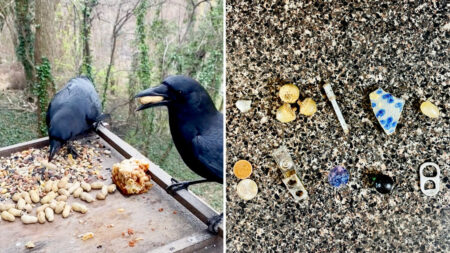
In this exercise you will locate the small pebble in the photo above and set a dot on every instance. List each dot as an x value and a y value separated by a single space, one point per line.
429 109
244 105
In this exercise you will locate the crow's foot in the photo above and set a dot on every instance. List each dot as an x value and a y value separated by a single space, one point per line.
171 189
96 125
214 222
71 150
176 186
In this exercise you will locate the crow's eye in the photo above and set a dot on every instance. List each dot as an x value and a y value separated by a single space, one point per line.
180 92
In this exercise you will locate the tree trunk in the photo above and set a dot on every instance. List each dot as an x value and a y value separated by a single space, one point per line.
108 71
132 88
45 33
86 67
25 46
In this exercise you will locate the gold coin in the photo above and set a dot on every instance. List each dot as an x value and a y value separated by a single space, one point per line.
242 169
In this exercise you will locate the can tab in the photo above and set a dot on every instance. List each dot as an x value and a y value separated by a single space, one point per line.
424 179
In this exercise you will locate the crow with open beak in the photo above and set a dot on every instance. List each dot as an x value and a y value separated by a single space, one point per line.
73 111
196 127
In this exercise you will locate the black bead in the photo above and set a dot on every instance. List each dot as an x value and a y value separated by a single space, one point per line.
384 184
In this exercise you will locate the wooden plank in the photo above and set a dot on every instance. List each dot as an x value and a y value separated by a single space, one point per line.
202 241
198 207
38 143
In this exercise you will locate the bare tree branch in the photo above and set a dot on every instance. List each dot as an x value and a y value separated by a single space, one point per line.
192 17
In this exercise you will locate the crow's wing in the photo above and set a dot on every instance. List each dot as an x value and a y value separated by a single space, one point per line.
209 150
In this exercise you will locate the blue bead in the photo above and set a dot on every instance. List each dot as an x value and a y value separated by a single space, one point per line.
374 104
338 176
379 91
398 105
391 100
382 121
394 123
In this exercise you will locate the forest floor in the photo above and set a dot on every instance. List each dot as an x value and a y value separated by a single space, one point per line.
18 120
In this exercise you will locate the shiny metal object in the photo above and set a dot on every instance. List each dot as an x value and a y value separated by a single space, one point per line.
290 176
424 179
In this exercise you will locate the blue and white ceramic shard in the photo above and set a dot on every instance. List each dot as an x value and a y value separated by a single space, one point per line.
387 109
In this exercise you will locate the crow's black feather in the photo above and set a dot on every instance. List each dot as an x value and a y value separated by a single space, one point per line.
195 124
72 112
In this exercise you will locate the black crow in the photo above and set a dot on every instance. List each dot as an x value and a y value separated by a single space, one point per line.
73 111
196 127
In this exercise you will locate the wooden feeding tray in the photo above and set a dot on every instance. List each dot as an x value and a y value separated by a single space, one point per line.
165 223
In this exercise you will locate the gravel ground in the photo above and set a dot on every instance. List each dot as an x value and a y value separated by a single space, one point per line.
399 46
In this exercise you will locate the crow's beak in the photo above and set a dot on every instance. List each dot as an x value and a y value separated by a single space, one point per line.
54 147
152 97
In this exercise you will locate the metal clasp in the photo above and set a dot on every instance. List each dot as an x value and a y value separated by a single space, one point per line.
290 176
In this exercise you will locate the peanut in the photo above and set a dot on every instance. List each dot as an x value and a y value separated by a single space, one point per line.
97 185
34 195
55 186
5 207
26 197
61 198
41 208
28 219
41 217
49 214
74 186
63 191
112 188
77 207
49 197
21 204
16 197
66 211
60 207
100 196
53 204
48 186
15 212
7 216
104 192
62 184
77 192
28 208
86 186
86 197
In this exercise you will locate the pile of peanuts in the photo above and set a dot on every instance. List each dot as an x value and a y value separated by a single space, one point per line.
51 198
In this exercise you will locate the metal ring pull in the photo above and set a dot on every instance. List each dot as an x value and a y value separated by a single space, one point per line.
424 179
